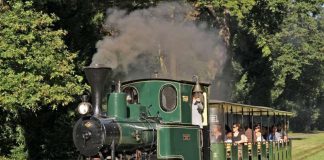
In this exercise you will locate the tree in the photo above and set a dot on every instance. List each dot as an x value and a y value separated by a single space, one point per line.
298 62
277 53
36 69
244 26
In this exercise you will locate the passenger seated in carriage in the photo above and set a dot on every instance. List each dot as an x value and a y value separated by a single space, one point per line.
238 136
248 133
274 134
216 134
228 134
283 132
257 133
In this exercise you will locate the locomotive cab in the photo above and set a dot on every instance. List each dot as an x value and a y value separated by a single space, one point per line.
170 102
168 99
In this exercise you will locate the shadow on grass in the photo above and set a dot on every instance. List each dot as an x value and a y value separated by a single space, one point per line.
297 138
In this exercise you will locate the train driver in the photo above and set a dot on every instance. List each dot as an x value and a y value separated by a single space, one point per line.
197 106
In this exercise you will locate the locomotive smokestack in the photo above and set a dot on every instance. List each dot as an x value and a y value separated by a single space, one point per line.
97 76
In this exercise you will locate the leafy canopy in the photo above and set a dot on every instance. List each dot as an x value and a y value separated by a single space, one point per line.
36 68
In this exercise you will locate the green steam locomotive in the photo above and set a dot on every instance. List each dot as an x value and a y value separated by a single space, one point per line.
156 119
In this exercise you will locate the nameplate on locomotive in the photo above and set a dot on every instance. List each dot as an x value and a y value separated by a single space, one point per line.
185 98
88 124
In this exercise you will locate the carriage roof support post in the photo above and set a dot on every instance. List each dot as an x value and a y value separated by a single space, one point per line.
242 119
249 119
286 127
223 130
261 125
236 115
268 121
252 127
274 119
232 123
287 123
227 121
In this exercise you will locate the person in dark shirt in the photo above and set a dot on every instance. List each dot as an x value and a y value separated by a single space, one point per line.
238 137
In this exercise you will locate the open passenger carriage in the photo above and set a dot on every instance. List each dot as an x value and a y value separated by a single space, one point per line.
221 115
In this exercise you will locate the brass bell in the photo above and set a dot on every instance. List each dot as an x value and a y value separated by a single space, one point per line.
197 87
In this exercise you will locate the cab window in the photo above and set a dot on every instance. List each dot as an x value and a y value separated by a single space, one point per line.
131 95
168 98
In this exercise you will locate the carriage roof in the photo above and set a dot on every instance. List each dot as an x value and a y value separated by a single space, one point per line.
237 108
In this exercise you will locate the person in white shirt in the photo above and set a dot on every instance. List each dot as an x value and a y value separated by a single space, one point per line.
197 107
274 135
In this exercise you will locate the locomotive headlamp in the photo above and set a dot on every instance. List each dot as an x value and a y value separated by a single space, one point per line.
84 108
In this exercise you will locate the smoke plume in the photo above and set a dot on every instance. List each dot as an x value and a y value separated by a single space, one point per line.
163 39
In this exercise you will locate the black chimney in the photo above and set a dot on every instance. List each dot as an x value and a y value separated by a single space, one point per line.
97 76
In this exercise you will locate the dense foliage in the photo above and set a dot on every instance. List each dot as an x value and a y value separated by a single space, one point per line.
278 54
37 75
275 58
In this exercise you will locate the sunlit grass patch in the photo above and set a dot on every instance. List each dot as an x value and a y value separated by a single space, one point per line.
307 146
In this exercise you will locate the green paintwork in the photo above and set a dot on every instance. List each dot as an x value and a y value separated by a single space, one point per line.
186 109
139 126
245 152
270 151
135 111
276 151
136 134
263 151
178 142
284 152
217 151
117 105
289 150
254 151
149 96
234 152
279 152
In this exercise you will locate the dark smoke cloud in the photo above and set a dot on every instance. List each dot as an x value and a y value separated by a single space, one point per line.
161 39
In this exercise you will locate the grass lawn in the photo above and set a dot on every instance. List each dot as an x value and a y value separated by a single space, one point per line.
307 146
